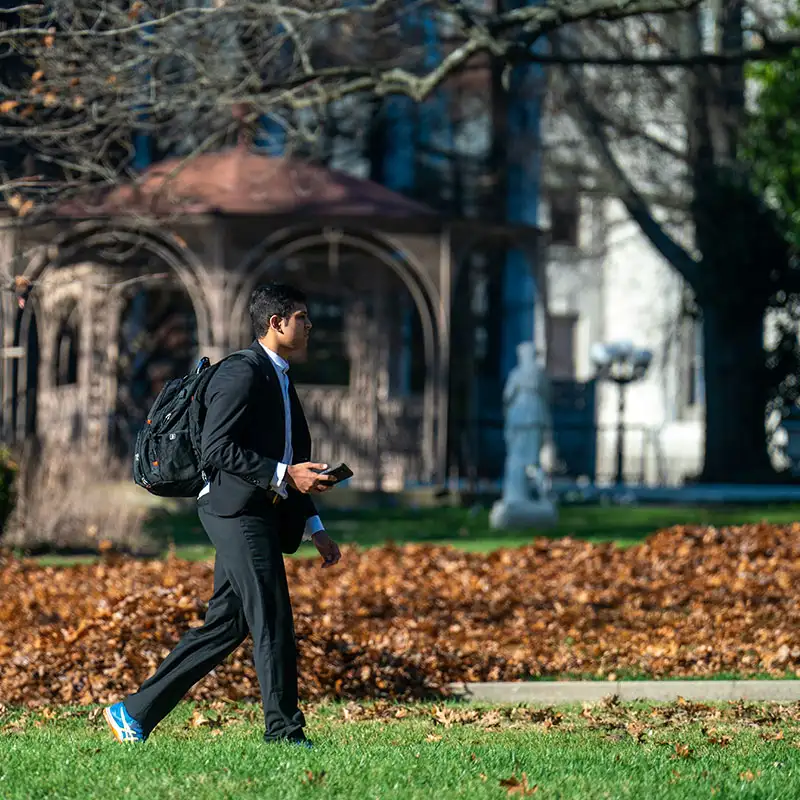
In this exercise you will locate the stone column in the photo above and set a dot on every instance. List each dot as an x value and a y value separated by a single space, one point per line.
379 352
223 336
363 427
104 308
9 311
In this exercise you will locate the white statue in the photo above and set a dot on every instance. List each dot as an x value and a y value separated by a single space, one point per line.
528 424
526 400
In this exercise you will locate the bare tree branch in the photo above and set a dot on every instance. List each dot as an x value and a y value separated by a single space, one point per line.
771 50
97 73
591 121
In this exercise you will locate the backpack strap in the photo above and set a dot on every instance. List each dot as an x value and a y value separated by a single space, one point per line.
248 355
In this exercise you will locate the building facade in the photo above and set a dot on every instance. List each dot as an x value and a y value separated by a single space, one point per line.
606 283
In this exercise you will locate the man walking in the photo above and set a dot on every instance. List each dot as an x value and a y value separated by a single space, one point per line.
256 505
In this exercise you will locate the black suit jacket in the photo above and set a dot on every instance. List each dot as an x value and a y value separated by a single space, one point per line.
243 439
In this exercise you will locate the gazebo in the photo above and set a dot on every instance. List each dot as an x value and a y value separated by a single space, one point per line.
380 271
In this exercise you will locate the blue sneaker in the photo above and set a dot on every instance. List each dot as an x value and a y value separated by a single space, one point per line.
306 743
294 741
124 726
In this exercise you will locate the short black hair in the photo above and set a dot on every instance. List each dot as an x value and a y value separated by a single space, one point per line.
269 299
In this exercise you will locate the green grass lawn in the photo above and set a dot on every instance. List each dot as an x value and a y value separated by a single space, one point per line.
468 529
408 752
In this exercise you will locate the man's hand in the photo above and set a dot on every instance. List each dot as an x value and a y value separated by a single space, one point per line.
305 478
327 548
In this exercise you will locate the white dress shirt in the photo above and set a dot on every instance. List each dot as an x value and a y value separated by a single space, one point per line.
278 482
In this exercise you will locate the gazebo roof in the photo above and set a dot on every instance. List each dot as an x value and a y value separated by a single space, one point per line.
237 181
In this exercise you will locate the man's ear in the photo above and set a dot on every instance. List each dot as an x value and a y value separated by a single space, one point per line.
275 322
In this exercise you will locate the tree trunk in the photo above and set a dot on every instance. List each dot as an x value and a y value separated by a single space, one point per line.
736 393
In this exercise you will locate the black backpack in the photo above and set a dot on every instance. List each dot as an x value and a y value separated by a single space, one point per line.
167 459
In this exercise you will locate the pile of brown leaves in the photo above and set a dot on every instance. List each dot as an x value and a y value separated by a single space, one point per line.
404 621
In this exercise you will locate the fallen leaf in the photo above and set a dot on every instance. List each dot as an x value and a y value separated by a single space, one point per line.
16 726
721 741
444 716
313 778
635 730
516 786
682 751
491 719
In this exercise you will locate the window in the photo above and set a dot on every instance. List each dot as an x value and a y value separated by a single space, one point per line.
561 347
691 377
406 361
328 361
66 353
564 218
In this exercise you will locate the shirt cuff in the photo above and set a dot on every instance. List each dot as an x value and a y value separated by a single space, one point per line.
279 476
313 525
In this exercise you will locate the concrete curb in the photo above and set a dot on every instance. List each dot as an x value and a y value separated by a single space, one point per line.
550 692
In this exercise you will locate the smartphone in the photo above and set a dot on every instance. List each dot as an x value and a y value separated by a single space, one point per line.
341 472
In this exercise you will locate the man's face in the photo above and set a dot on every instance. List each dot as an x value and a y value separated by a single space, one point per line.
293 332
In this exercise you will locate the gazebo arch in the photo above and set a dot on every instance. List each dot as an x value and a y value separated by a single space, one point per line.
154 340
263 259
92 267
79 242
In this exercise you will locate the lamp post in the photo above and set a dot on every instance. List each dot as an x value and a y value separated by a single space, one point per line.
621 363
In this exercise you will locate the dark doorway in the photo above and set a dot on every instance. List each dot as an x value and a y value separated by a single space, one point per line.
21 421
157 342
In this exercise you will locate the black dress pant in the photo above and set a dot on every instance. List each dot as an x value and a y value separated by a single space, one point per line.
250 595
